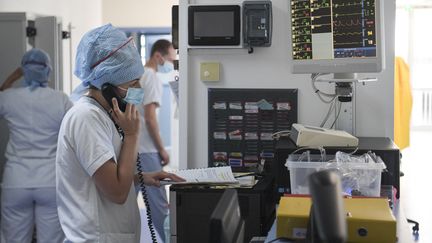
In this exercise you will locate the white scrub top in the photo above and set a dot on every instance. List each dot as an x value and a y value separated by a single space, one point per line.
87 139
153 89
34 119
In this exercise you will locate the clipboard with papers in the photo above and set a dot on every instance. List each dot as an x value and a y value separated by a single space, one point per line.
206 176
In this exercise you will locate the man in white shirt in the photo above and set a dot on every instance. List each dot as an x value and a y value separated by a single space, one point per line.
98 143
34 114
152 153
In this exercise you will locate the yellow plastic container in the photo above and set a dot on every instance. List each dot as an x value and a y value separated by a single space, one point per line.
369 219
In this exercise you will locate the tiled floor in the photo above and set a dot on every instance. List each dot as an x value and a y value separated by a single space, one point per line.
416 185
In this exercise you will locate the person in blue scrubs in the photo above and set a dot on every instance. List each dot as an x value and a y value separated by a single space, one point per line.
152 153
34 113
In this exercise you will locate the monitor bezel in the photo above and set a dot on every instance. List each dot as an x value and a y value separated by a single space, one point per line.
344 65
214 40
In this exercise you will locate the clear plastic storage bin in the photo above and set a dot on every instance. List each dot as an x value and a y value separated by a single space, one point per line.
358 179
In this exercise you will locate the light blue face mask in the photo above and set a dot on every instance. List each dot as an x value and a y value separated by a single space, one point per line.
134 96
166 67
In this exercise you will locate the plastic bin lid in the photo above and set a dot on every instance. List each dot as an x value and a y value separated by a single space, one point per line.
330 165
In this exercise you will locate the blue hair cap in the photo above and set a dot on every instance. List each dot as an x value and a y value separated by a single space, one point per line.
36 68
106 55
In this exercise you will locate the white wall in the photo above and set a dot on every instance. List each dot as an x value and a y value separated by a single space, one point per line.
138 13
84 15
270 68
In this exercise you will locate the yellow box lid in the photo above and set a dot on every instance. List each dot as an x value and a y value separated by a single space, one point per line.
375 209
294 206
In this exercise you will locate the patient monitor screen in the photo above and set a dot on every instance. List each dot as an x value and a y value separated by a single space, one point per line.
333 29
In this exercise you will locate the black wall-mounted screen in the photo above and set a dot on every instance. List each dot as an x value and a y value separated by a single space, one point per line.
214 25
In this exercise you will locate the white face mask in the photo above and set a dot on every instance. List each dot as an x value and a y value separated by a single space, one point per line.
166 67
134 95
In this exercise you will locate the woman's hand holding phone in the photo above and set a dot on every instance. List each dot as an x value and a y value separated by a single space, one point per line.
128 120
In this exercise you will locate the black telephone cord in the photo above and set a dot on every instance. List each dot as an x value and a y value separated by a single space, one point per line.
146 202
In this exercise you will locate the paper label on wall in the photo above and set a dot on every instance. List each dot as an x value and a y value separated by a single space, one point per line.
235 106
219 135
238 118
251 106
251 136
251 111
219 106
235 135
220 156
283 106
266 136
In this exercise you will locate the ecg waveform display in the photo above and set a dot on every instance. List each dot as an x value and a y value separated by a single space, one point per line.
350 23
354 28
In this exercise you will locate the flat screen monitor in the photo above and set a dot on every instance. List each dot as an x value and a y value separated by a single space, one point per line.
226 224
214 25
336 36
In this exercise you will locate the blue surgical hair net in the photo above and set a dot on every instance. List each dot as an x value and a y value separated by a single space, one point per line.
36 68
106 55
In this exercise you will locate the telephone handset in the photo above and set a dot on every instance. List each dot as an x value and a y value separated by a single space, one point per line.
108 92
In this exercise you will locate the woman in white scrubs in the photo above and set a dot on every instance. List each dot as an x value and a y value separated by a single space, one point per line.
98 144
34 114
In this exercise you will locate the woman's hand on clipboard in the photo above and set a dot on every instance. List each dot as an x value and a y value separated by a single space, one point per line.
160 178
